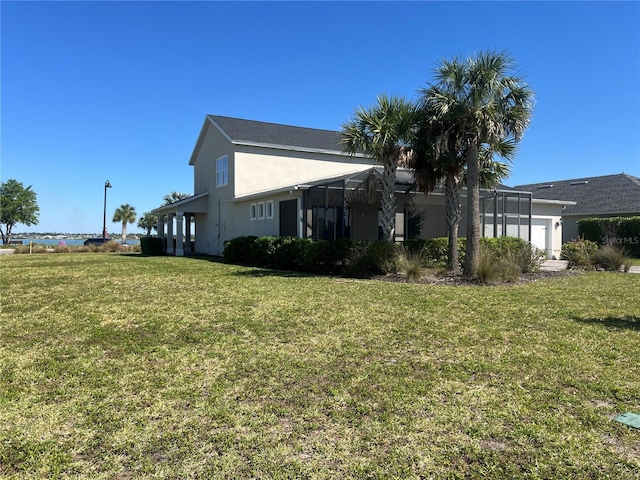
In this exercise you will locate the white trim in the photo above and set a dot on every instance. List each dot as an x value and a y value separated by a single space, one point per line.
270 212
261 208
253 211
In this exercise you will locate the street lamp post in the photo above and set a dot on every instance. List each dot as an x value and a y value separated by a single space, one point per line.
104 218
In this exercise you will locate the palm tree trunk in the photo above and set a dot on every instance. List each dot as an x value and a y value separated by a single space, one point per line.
388 199
124 231
454 216
473 212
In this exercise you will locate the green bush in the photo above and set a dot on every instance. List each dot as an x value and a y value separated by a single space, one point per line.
365 259
238 250
289 253
623 232
612 259
579 253
436 251
495 266
324 257
151 245
526 256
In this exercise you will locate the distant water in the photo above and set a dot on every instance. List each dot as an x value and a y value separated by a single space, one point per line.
72 242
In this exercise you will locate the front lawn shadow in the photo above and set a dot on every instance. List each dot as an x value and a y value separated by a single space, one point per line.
630 322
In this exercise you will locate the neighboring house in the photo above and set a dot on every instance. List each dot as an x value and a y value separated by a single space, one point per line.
606 196
257 178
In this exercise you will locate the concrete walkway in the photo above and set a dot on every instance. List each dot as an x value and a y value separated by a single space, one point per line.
560 265
554 265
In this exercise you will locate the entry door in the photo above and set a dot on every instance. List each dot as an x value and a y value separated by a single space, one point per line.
540 235
289 218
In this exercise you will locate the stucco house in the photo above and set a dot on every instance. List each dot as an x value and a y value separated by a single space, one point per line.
605 196
259 178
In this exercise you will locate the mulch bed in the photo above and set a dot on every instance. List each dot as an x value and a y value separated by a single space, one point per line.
457 280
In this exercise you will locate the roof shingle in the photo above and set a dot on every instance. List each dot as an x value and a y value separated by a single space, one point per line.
264 133
608 194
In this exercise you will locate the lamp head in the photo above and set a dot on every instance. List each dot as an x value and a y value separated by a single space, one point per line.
107 184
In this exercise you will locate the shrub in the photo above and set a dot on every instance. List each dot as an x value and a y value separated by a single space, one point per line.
262 251
409 262
526 256
615 231
325 257
36 248
359 263
288 254
365 259
579 253
494 267
151 245
238 250
436 251
612 259
112 246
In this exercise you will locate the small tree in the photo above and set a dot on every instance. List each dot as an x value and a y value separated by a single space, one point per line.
148 221
125 214
17 205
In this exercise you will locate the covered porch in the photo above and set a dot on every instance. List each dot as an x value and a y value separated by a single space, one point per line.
177 224
349 206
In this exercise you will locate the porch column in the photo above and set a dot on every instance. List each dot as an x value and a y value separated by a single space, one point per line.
188 217
180 238
170 233
161 221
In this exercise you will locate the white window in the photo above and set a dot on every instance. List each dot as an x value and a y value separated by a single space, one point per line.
253 212
261 211
270 209
222 171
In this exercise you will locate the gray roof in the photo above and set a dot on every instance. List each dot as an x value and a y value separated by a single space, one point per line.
609 194
263 133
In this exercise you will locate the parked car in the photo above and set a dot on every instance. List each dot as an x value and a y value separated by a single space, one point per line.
96 241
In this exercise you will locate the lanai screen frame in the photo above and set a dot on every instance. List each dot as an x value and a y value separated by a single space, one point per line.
502 197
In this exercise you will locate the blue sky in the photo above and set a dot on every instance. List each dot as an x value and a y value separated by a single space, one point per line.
119 90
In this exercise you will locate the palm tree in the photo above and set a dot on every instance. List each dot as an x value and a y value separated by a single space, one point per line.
488 105
125 214
383 133
174 197
440 159
148 221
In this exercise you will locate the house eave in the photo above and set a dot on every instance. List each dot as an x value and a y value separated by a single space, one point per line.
180 206
275 146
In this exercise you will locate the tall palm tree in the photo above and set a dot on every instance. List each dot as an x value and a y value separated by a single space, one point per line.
384 133
125 214
440 159
148 221
488 104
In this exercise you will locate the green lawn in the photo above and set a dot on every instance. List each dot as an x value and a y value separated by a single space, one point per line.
124 366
